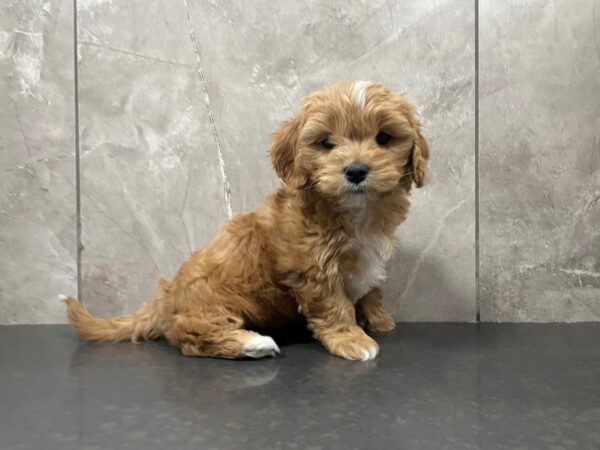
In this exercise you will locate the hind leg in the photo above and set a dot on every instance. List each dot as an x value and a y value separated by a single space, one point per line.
217 334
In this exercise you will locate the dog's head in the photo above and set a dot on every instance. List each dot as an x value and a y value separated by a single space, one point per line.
352 140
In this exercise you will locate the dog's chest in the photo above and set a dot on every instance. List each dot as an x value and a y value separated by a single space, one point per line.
363 265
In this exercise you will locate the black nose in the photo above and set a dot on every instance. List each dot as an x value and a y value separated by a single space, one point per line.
355 172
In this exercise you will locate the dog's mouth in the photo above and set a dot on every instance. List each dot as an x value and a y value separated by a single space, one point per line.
356 188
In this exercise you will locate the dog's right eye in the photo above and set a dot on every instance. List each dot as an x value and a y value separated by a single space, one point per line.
382 138
326 143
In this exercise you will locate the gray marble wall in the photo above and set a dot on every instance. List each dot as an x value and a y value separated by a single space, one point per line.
177 101
540 160
37 160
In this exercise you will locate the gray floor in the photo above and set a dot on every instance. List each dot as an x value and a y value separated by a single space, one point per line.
434 386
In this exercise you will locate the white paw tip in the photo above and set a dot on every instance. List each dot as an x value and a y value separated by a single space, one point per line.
260 346
371 353
62 297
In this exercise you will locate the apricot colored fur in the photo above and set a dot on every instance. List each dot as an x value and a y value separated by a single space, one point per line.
315 248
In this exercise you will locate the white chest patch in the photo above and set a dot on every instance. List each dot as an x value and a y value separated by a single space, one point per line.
364 265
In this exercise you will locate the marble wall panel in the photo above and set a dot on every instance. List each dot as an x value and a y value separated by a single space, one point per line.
37 160
540 160
152 188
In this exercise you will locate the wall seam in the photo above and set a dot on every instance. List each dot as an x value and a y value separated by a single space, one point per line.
77 153
477 244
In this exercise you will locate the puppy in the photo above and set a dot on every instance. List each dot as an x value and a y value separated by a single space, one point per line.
316 248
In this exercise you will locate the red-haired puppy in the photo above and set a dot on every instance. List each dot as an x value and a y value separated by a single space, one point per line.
316 248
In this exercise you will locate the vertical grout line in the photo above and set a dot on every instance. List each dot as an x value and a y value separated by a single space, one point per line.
77 154
477 248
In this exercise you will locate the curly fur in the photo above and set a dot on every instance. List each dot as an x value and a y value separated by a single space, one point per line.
315 249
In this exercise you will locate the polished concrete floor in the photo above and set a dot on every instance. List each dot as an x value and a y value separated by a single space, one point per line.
434 386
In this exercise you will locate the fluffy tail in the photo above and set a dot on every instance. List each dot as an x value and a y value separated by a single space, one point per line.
144 324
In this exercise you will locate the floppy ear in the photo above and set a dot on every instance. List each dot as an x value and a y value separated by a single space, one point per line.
284 151
419 159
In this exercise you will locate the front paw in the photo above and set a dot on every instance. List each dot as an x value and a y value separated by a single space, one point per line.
354 345
381 322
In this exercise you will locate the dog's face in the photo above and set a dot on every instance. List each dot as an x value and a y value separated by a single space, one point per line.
353 142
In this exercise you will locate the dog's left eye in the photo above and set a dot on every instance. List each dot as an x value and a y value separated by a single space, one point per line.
327 144
382 138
